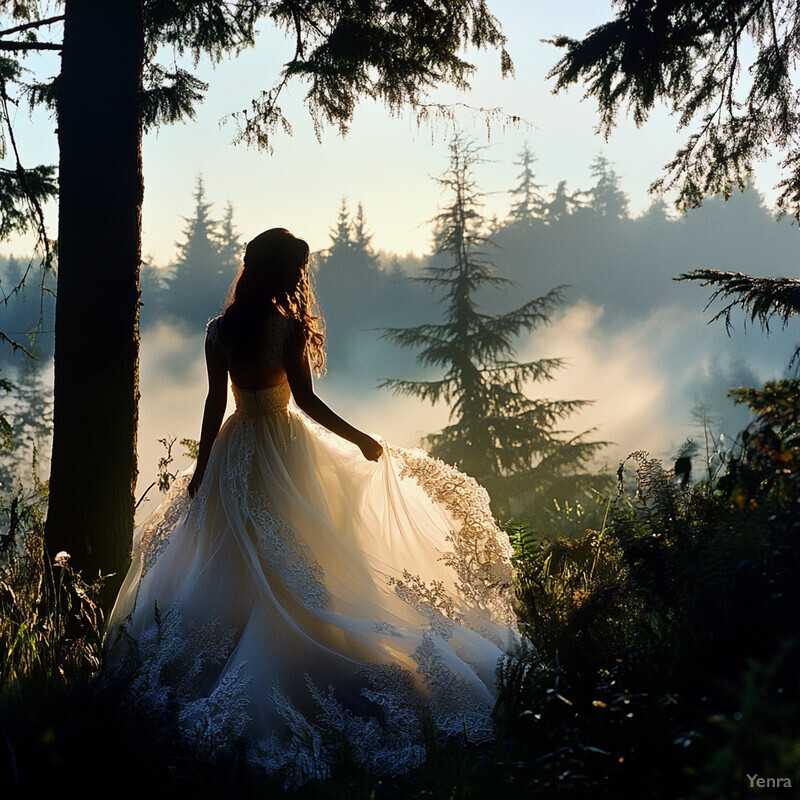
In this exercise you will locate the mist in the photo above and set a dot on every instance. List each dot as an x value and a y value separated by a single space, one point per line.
636 343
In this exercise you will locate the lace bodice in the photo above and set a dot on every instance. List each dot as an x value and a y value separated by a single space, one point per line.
255 403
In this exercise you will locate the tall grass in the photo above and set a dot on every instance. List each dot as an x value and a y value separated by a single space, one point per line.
50 624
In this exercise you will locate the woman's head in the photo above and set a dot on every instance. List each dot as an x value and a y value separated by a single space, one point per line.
274 268
274 277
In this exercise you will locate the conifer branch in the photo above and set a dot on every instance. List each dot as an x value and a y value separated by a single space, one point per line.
760 298
38 23
18 46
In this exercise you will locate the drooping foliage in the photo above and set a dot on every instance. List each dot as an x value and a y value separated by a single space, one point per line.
511 443
345 51
761 299
692 56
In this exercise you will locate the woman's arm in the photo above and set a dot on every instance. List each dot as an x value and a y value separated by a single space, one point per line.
299 374
214 411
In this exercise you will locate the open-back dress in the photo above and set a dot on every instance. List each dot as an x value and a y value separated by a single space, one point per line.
308 599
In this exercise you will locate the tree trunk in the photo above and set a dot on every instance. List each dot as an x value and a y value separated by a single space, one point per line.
93 470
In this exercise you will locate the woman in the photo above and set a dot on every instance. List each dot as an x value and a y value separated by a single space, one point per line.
320 588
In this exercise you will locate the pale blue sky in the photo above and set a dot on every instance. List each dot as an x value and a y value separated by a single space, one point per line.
384 162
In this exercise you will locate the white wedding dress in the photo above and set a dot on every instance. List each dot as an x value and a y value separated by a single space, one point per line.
309 599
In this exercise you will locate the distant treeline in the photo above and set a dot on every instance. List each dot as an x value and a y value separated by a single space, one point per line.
585 239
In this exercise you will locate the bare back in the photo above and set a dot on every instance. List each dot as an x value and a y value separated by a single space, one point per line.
268 368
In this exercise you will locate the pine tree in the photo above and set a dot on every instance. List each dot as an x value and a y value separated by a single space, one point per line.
561 203
230 243
528 202
204 269
342 233
362 241
348 270
605 197
350 267
497 434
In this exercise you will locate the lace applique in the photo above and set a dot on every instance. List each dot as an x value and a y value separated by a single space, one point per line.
454 707
160 524
432 602
170 674
481 556
173 677
240 462
198 506
280 546
217 722
392 746
278 543
316 742
386 627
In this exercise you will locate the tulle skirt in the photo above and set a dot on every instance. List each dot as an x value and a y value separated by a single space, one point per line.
308 598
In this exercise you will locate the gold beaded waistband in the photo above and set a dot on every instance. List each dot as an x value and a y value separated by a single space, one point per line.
255 403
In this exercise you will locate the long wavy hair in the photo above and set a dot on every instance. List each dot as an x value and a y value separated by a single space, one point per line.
273 276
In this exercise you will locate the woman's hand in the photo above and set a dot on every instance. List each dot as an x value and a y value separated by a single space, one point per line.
194 485
371 449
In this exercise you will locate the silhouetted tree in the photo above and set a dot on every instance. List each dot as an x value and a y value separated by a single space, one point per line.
606 198
528 203
362 240
348 270
206 263
657 212
230 241
342 232
508 441
561 204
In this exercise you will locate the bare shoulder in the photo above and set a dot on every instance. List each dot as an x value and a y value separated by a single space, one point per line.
212 331
291 332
